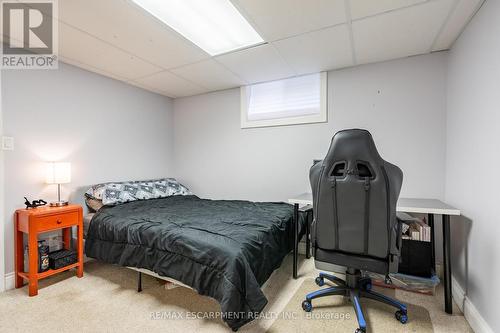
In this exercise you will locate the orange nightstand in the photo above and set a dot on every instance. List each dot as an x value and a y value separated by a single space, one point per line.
43 219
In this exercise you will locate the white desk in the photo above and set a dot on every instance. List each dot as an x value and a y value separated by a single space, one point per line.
422 206
408 205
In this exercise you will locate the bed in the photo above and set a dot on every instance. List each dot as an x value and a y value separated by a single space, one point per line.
225 249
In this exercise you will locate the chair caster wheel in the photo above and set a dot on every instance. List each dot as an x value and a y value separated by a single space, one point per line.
307 306
360 330
320 281
366 285
401 316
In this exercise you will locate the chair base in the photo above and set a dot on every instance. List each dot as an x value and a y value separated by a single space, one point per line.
354 287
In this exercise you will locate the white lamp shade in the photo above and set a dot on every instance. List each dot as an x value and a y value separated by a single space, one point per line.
58 173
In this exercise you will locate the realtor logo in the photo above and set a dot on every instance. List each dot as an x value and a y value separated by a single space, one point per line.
29 31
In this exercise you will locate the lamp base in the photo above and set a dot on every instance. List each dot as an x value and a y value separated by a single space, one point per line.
58 203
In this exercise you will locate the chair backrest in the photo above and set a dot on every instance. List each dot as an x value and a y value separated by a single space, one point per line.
355 194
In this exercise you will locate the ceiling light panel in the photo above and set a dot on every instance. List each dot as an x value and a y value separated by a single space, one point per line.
216 26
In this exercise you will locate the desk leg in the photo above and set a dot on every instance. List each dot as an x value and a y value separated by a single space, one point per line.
448 305
308 234
295 238
430 220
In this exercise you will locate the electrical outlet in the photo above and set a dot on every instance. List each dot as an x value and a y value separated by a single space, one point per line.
7 143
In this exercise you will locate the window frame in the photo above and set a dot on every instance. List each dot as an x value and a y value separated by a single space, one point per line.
322 117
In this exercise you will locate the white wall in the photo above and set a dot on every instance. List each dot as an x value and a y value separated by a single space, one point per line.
403 104
108 131
473 159
2 248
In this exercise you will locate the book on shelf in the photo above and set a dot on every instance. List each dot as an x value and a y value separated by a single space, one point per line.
417 229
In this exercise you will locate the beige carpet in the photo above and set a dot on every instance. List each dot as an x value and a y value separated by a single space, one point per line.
105 300
336 314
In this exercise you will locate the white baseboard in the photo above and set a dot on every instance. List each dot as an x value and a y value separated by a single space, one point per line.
458 293
471 314
476 321
10 281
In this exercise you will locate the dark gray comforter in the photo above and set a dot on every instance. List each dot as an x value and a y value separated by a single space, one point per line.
223 249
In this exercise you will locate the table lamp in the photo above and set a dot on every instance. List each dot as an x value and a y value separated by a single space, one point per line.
58 173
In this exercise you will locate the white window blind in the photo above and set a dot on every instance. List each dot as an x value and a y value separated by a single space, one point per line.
296 100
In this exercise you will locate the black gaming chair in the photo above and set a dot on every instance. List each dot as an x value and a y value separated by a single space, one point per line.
355 226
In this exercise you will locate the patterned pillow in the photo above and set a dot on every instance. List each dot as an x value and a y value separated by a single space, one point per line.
121 192
96 191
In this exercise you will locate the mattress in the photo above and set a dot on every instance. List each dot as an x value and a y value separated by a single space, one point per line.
225 249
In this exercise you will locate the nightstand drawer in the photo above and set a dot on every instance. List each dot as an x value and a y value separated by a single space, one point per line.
57 221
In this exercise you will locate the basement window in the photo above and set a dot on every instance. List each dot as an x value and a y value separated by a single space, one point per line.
297 100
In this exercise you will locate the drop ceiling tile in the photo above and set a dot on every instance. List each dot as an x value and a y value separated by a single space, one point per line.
209 74
317 51
107 74
364 8
170 84
90 68
257 64
129 27
457 21
142 86
277 19
81 47
400 33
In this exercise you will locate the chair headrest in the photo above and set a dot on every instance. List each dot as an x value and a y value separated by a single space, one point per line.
353 144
